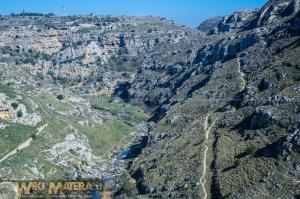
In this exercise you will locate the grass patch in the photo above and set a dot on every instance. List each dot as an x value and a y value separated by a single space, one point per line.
55 104
107 103
7 90
14 135
103 137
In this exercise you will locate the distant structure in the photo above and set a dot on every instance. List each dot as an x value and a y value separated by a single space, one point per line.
64 10
93 11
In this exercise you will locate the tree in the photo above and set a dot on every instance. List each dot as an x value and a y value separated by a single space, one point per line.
33 136
251 150
50 14
60 97
19 114
14 105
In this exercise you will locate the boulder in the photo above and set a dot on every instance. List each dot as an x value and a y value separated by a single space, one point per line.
264 116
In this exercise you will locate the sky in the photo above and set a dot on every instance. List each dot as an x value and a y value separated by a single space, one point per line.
188 12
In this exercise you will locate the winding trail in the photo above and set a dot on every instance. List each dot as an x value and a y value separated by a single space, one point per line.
23 145
207 129
242 75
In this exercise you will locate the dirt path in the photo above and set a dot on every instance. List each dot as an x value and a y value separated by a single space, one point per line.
242 75
23 145
207 129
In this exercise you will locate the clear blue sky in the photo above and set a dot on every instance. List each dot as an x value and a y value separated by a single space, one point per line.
189 12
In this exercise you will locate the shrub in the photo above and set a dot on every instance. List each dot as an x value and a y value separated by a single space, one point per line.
30 50
14 105
237 163
94 106
33 136
60 97
50 26
50 14
62 80
110 100
250 150
229 195
156 41
79 43
29 61
84 30
19 114
46 56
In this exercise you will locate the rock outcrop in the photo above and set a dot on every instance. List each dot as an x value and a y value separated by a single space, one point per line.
228 23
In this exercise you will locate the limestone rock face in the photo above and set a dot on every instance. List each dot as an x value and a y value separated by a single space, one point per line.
291 143
16 113
228 23
276 12
75 143
264 116
46 42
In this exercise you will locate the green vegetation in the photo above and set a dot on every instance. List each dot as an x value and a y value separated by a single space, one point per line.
14 105
52 100
29 60
105 136
13 135
31 14
33 136
123 64
107 103
102 137
50 26
84 30
62 80
250 150
29 56
60 97
7 90
237 163
19 113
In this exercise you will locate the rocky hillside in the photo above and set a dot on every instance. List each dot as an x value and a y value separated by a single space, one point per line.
225 120
211 112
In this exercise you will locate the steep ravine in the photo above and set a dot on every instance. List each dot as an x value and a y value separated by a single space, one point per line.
248 79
